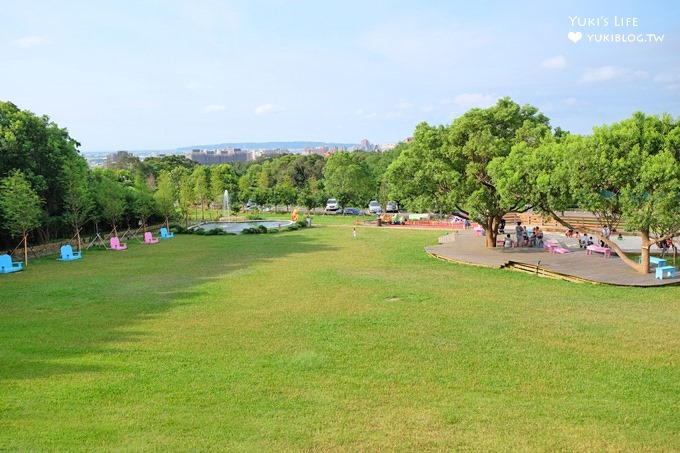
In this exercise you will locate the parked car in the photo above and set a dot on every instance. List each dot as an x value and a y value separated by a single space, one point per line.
392 206
374 207
332 205
351 211
251 205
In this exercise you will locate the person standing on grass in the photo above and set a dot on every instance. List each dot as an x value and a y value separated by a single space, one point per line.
354 232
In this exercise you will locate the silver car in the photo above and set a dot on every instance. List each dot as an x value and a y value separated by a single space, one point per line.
374 207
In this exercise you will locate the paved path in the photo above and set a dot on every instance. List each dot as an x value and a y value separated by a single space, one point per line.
470 249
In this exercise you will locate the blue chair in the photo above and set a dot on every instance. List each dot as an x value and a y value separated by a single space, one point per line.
7 266
165 234
68 255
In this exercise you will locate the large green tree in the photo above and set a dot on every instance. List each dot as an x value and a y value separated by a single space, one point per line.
166 195
347 178
185 193
144 204
19 206
109 196
631 171
201 187
223 177
40 149
423 177
475 140
78 202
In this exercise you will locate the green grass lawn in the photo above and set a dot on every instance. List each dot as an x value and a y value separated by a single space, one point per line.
314 340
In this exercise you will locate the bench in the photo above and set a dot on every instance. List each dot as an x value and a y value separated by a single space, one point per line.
67 254
667 270
596 248
551 246
561 250
660 262
7 265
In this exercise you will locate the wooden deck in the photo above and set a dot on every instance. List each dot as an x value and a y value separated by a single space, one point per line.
575 266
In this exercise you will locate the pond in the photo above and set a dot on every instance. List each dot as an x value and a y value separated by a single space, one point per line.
237 227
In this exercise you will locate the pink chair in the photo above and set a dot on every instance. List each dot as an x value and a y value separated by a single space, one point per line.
116 245
148 238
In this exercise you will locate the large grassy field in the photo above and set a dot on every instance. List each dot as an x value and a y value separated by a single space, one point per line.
314 340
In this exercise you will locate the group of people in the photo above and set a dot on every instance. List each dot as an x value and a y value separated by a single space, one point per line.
524 237
584 240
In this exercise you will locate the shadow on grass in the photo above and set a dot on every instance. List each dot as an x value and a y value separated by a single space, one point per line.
54 313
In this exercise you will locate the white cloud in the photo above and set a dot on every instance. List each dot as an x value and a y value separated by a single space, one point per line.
671 80
213 108
403 105
30 41
266 109
610 73
558 62
364 114
471 100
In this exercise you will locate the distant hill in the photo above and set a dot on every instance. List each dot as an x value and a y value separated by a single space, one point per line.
271 145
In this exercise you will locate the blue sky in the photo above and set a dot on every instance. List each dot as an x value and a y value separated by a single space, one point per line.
164 74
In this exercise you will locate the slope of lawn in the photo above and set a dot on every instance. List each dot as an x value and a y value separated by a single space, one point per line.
316 340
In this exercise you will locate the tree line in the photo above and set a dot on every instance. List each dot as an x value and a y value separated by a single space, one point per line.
485 164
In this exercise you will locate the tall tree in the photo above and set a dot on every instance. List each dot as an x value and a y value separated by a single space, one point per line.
201 187
78 203
223 177
423 177
109 195
165 195
347 178
20 207
186 194
144 202
475 140
39 148
631 171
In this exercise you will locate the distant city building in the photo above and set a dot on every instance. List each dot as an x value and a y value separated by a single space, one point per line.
319 150
221 156
386 146
118 159
365 145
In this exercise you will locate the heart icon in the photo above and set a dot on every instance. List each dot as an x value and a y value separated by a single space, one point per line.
574 36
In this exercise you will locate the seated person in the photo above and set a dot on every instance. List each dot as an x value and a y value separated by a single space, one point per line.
534 238
507 243
539 237
569 233
590 240
583 241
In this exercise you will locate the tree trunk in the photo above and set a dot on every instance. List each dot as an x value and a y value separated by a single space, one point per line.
491 226
641 267
25 249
